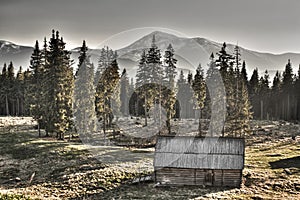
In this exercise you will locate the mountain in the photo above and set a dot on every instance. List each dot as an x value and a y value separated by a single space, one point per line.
18 54
192 51
188 51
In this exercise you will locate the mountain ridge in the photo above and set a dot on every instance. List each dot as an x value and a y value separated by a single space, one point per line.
189 51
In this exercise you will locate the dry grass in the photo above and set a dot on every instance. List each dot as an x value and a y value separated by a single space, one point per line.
70 170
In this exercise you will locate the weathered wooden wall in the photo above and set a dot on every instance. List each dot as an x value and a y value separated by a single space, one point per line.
181 176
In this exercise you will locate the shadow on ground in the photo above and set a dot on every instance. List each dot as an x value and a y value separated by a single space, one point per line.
147 190
286 163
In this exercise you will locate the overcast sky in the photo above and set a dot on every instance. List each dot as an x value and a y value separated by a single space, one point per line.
262 25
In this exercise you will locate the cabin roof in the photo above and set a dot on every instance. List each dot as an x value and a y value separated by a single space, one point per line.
199 152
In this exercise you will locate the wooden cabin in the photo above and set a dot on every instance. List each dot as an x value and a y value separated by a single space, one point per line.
210 161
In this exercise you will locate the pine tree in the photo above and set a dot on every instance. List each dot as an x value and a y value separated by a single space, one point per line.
242 103
224 60
169 81
239 94
84 95
143 73
124 93
143 78
59 89
264 95
181 79
107 56
190 78
168 100
185 96
5 89
245 113
20 90
287 88
180 93
199 88
153 62
131 99
225 63
254 93
297 88
27 92
237 58
10 101
244 75
170 67
276 96
104 93
36 90
215 100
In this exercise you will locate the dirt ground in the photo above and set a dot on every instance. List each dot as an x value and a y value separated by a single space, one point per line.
44 168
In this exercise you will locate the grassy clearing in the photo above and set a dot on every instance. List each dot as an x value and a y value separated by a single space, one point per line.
44 168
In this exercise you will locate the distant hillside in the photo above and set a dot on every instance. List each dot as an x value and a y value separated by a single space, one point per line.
20 55
189 52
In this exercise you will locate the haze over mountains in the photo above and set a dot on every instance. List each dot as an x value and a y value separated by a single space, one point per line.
189 52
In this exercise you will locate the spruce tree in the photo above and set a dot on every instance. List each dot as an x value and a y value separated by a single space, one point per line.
59 91
5 89
276 96
180 93
20 90
190 78
10 98
84 95
245 114
264 95
169 81
224 60
216 100
225 63
297 88
36 88
199 88
107 56
244 75
170 67
242 102
287 88
143 72
254 93
143 77
104 93
124 93
237 58
27 91
153 57
185 96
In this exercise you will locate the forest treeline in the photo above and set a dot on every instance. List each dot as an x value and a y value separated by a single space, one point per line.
61 100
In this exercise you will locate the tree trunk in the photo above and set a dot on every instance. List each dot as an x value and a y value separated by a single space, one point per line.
168 122
261 109
18 107
47 133
104 127
199 125
39 128
145 109
6 105
288 107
